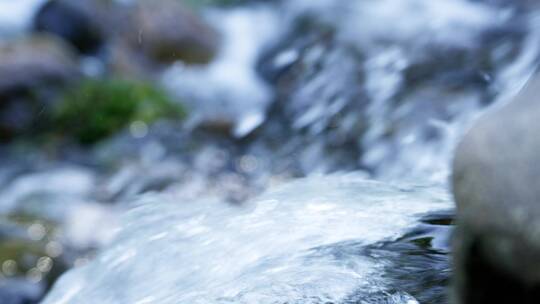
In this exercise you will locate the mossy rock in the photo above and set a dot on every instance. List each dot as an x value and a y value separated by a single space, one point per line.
97 109
21 256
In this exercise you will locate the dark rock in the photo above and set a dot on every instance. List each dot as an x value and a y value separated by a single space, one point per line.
437 88
79 22
27 269
423 253
35 61
166 31
374 107
31 70
320 99
126 62
495 183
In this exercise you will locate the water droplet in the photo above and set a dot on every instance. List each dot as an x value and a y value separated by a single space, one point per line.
9 268
248 123
44 264
138 129
34 275
248 163
54 249
286 58
36 231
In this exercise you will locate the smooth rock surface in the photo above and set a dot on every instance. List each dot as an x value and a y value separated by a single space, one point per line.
34 61
80 22
166 31
496 187
30 70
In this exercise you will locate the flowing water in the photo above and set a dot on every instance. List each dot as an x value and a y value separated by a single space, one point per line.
303 243
384 88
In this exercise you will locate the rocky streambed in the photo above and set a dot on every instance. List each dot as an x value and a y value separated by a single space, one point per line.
138 136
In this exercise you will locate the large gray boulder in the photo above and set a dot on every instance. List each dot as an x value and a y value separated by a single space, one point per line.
496 184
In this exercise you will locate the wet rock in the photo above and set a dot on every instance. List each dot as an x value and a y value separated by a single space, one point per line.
423 254
188 163
166 31
226 96
129 63
33 62
30 260
81 23
31 71
42 230
428 92
497 249
377 97
319 95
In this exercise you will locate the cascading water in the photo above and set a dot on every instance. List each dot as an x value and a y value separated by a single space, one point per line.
385 86
303 243
396 82
14 16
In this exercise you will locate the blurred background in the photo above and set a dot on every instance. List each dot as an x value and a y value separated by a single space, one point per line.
102 101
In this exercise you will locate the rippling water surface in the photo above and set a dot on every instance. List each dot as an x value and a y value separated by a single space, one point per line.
303 243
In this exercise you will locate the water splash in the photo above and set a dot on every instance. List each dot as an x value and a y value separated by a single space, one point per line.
302 243
396 83
15 16
228 91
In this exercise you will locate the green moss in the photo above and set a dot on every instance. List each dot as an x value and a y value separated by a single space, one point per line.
25 219
24 252
97 109
16 250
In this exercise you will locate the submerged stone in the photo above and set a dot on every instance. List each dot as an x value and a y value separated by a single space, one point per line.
27 265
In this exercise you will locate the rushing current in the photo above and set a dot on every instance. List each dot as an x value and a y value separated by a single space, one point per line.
396 82
302 243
